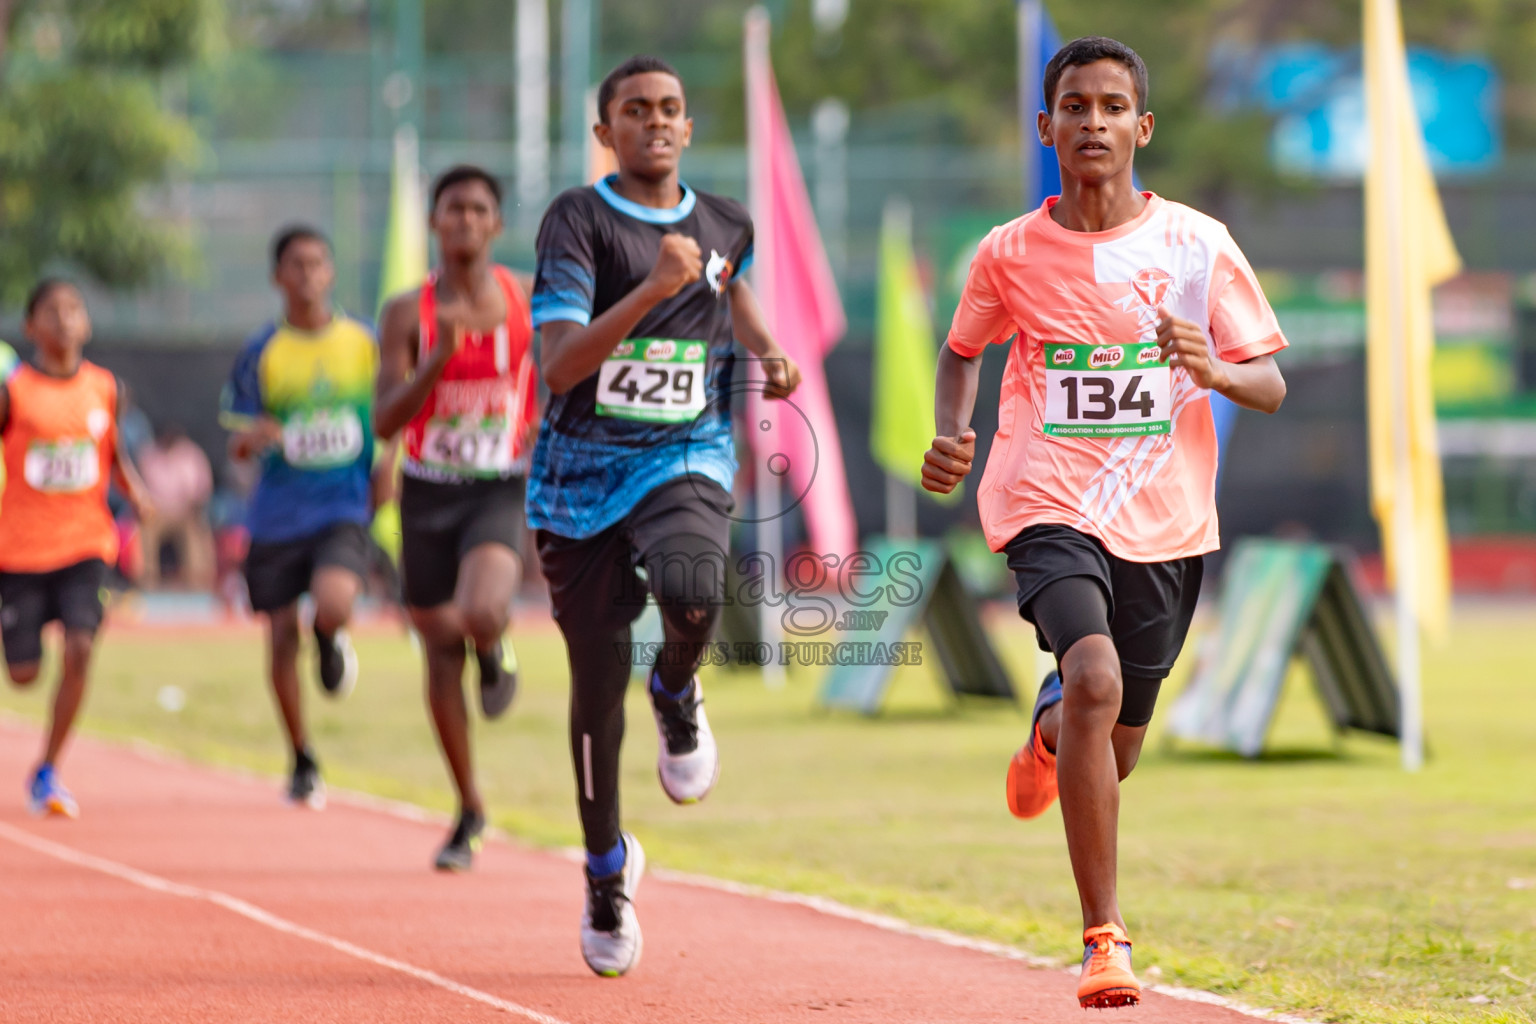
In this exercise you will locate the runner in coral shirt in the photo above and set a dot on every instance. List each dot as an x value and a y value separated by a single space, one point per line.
1128 311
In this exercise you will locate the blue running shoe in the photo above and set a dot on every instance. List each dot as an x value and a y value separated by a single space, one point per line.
47 795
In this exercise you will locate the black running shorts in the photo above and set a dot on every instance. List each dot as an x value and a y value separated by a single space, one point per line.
1146 607
29 601
680 532
277 573
440 523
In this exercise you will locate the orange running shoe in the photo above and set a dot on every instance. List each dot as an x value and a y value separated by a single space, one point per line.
1107 980
1032 772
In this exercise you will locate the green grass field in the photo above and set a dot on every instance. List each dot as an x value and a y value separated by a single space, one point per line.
1321 880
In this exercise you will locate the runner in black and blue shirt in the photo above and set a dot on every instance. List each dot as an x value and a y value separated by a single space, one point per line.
638 297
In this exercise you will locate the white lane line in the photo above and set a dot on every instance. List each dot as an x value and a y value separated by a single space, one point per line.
251 912
411 812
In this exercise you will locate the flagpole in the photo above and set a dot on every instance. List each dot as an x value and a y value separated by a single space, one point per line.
1405 565
900 497
762 414
1030 15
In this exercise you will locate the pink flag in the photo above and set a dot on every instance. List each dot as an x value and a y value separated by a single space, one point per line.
798 440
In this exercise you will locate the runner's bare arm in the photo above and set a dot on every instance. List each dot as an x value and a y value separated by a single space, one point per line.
263 433
1253 384
570 353
382 482
129 481
403 387
751 330
948 461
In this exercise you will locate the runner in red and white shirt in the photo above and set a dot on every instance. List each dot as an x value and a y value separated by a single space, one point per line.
1128 311
456 374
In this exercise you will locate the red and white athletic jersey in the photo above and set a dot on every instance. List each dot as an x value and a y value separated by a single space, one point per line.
1093 431
473 423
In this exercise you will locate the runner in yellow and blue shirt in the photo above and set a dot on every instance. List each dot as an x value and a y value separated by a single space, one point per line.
300 399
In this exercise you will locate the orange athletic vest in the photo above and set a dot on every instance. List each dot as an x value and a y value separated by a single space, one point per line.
59 443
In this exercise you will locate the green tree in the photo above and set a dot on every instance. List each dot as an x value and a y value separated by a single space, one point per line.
83 131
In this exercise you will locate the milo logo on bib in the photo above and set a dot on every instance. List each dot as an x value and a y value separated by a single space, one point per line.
1104 358
1106 390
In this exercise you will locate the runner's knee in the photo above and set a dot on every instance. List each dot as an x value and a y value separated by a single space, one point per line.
687 576
1092 687
485 623
25 673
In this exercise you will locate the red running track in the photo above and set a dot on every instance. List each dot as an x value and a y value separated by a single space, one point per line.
185 894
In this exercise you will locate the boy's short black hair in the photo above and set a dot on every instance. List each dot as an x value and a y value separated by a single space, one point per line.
639 64
1087 50
44 288
462 173
295 233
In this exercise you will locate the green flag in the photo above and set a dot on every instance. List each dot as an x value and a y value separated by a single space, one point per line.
902 427
405 237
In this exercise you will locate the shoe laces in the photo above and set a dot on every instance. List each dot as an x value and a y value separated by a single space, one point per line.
680 723
603 896
1103 949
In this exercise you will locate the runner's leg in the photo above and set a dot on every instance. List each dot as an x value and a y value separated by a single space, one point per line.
66 703
442 639
686 573
283 667
1073 615
335 590
489 576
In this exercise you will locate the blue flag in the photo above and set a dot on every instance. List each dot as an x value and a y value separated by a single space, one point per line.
1038 43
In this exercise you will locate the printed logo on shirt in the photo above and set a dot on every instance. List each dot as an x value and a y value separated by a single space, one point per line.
718 272
1103 358
97 421
1151 285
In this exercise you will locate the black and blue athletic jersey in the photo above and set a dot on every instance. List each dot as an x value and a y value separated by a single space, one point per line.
659 407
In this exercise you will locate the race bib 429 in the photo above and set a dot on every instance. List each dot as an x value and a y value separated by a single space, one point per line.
653 379
1106 390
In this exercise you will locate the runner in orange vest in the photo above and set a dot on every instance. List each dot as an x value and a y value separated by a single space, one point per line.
58 426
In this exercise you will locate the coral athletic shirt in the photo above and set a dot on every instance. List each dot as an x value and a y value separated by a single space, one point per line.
1093 432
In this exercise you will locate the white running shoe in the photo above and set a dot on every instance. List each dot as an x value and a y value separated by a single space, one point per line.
610 930
687 759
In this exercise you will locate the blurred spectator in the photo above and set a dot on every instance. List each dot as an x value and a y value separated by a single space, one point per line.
180 482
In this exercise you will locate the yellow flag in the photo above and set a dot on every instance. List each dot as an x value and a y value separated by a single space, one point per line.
1408 250
405 236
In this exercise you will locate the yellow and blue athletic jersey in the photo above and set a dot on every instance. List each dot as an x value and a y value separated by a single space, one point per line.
319 386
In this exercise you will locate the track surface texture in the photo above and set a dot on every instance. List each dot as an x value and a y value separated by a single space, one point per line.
186 894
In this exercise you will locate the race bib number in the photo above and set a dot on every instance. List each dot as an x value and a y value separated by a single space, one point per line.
62 467
468 445
1106 390
323 438
653 379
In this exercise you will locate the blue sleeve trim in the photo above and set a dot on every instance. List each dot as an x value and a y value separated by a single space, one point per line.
545 312
746 261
